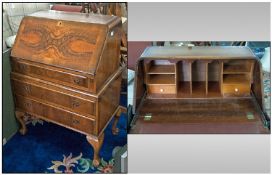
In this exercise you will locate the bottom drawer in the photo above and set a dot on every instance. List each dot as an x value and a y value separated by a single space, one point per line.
236 89
66 118
161 89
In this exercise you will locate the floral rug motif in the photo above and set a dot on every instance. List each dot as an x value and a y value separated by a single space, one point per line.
49 148
79 164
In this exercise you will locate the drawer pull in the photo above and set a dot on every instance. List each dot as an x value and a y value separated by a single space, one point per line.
75 122
161 90
22 67
75 103
77 81
27 105
236 89
27 89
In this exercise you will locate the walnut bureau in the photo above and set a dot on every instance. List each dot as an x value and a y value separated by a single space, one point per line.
66 70
199 90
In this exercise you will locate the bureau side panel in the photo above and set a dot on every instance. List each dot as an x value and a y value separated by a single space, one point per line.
108 102
257 86
139 86
110 58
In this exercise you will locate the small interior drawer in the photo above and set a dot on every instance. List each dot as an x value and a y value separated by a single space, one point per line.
236 89
161 89
52 75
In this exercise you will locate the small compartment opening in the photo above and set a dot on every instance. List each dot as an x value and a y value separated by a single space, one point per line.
162 79
183 78
199 77
237 66
214 76
160 67
236 79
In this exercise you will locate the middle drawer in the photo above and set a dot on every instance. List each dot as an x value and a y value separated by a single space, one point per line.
54 97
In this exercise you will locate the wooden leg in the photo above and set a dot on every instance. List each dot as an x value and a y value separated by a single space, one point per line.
96 144
20 117
114 128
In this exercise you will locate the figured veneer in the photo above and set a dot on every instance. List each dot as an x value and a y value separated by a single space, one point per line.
66 70
201 85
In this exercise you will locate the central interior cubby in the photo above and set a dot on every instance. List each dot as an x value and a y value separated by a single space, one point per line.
197 78
214 78
184 75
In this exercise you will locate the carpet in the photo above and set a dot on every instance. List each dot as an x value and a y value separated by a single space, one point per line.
49 148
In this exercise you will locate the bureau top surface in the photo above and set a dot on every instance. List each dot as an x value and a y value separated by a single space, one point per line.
73 41
196 52
75 16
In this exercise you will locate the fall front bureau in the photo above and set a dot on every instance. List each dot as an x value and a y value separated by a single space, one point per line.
66 70
199 90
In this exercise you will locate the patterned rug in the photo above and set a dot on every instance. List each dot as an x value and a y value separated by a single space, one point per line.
49 148
267 92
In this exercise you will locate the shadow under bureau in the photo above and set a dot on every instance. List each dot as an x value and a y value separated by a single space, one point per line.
66 70
199 90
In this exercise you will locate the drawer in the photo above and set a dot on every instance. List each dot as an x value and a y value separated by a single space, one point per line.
76 104
57 115
236 89
52 75
161 89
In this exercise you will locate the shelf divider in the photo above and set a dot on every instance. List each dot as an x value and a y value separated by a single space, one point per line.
190 77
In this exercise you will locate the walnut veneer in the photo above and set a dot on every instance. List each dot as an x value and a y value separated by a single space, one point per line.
66 70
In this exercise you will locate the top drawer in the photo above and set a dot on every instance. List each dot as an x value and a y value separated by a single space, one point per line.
64 78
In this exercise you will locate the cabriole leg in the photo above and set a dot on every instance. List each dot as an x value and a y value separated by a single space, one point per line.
96 144
114 129
20 117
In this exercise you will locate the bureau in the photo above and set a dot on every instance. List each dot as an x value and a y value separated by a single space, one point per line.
199 90
66 69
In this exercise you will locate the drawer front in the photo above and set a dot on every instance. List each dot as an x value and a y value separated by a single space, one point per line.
161 89
56 76
57 115
73 103
236 90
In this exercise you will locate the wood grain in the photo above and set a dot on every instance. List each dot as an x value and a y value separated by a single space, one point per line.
209 85
66 70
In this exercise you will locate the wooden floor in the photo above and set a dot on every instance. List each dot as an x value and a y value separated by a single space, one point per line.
199 116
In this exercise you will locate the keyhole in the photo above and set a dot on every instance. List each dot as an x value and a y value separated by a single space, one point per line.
59 23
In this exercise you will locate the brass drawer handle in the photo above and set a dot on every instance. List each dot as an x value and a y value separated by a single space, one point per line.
77 81
22 67
27 104
75 103
27 89
39 72
236 90
161 90
75 121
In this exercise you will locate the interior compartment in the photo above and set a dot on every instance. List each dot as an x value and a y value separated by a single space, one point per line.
199 71
214 78
183 78
159 67
236 79
237 66
163 79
